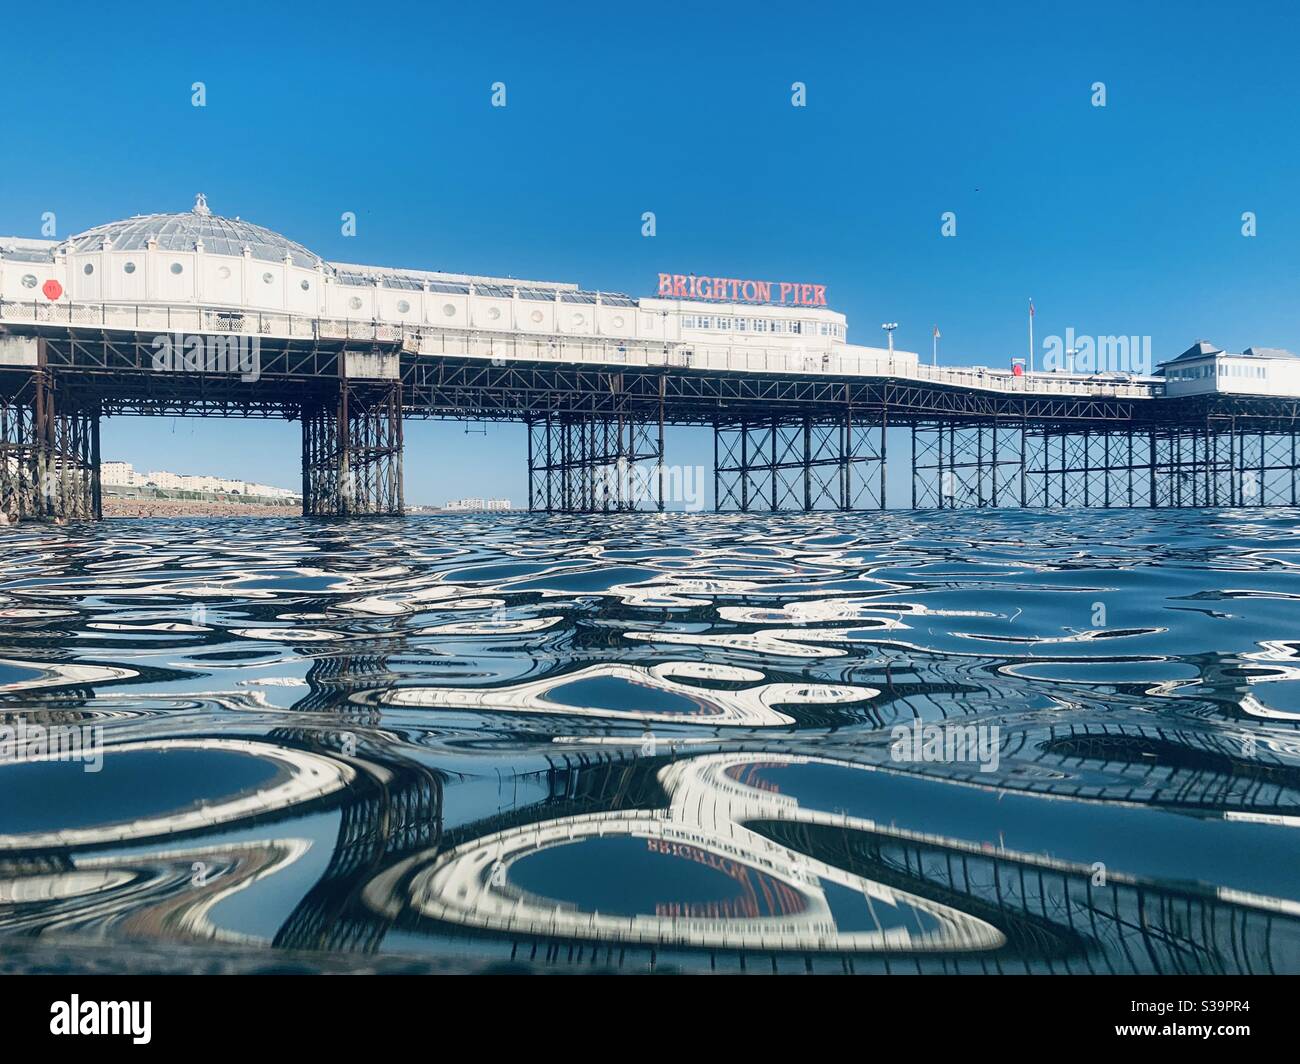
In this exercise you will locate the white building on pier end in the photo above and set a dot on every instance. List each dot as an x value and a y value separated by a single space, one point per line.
1204 369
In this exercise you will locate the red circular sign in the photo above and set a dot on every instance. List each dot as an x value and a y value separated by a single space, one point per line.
52 289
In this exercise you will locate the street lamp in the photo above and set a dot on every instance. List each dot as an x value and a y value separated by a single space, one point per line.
1070 352
889 327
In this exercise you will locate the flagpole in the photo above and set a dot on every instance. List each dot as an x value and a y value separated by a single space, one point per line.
1031 334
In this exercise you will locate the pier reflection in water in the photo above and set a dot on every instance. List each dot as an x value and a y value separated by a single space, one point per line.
636 742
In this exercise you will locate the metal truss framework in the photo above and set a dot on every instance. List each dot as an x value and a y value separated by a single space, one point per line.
805 464
956 464
1088 468
1196 466
594 464
352 452
783 441
1222 467
49 453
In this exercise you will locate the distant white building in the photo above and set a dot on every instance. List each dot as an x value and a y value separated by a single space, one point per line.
117 474
123 474
161 478
478 504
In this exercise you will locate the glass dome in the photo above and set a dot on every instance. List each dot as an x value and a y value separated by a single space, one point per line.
180 232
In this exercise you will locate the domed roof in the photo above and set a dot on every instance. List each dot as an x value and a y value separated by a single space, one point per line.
181 232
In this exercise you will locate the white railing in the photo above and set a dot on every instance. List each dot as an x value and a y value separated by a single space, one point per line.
171 318
685 355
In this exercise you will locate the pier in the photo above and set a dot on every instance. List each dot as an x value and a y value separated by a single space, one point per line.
195 315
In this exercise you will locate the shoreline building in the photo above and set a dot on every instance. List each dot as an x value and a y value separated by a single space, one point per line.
117 474
478 504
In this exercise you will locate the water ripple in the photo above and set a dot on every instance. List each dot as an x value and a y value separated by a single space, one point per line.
678 738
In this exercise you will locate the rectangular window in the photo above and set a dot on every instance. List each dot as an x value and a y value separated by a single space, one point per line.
742 324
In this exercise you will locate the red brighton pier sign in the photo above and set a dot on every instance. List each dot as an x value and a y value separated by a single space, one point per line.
729 289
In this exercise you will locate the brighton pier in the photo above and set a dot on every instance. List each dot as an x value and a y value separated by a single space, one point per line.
802 420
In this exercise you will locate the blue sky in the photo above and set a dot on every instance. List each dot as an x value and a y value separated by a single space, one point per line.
1117 220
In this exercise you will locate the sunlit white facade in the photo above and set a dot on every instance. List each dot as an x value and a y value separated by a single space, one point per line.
196 257
198 271
116 474
478 504
1204 369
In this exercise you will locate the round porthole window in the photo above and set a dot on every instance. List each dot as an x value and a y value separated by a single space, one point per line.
88 269
536 315
29 280
403 307
306 286
354 303
618 323
129 268
494 313
449 309
224 273
267 278
578 319
177 267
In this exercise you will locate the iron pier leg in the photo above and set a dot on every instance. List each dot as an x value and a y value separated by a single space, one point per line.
1293 466
744 465
96 488
352 451
1151 470
807 464
914 472
662 471
773 457
49 449
884 429
717 491
1024 432
846 449
528 428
